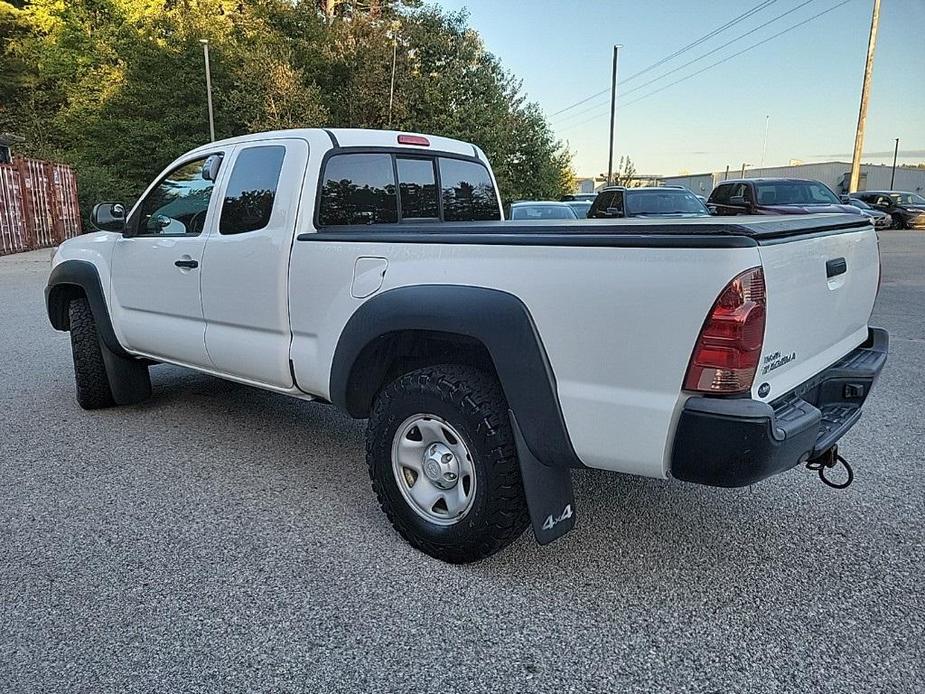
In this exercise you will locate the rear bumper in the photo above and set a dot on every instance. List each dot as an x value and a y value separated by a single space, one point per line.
737 442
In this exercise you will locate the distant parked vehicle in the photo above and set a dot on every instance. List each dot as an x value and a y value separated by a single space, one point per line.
580 207
906 209
775 196
881 219
541 209
663 201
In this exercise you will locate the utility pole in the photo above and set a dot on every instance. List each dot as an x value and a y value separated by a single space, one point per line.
865 92
205 53
764 148
893 172
726 175
743 170
613 109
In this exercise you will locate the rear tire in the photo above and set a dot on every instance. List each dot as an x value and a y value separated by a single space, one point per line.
93 389
474 409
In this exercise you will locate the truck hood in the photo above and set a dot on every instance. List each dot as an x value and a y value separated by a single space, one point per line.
809 209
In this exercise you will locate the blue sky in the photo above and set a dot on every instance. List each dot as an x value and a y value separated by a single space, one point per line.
808 80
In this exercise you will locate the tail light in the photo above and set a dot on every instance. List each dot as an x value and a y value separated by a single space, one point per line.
728 348
418 140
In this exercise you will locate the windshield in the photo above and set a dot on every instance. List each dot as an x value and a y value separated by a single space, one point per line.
542 212
664 201
860 204
795 193
907 199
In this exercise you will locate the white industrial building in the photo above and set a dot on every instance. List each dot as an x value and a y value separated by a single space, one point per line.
834 174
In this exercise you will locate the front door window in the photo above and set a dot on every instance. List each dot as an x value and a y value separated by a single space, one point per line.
177 205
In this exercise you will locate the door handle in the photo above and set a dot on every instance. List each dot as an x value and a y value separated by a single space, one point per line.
835 267
187 263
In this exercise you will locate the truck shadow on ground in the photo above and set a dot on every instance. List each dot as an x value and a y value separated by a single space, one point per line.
627 526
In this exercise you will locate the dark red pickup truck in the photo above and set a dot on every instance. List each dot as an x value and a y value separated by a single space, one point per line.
775 196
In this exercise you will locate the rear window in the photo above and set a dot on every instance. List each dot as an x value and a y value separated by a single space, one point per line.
251 189
542 212
794 193
417 185
666 201
358 189
467 191
361 188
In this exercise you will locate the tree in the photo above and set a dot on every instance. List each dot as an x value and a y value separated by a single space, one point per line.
624 174
116 87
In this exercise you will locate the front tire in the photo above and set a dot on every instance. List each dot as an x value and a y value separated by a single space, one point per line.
447 428
93 390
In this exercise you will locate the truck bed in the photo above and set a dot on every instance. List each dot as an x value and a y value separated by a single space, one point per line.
714 232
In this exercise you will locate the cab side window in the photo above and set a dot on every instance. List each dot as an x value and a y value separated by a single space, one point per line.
178 204
251 189
740 190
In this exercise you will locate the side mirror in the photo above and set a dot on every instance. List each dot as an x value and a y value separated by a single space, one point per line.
108 216
846 199
211 166
738 201
614 212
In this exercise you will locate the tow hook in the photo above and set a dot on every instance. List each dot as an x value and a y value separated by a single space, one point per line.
827 461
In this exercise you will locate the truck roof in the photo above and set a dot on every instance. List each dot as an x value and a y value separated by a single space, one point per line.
360 137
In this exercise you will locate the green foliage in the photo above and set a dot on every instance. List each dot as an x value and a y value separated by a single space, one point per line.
116 87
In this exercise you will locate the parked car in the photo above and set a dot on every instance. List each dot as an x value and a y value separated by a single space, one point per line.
371 270
906 209
574 197
662 201
775 196
541 209
580 207
881 219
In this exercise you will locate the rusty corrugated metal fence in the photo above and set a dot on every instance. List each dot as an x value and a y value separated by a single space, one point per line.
38 205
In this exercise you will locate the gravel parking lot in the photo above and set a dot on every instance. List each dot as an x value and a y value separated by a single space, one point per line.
219 538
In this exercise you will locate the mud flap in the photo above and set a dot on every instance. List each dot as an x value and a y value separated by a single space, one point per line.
129 380
548 491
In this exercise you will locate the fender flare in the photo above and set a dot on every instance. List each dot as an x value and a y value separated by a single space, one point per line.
58 293
499 321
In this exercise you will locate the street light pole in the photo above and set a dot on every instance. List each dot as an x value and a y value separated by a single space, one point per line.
392 85
205 53
865 92
613 109
893 172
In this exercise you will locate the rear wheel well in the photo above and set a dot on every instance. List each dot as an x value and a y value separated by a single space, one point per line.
59 300
389 356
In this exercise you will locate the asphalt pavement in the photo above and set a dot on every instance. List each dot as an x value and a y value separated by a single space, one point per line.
220 538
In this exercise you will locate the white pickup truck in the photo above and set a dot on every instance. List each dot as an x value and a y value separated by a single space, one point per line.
373 270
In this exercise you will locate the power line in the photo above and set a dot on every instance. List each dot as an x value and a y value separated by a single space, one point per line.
738 53
699 58
760 6
719 48
714 64
696 43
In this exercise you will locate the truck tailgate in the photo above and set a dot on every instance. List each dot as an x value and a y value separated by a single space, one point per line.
820 294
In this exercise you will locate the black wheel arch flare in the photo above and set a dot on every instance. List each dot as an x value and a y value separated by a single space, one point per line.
498 320
72 277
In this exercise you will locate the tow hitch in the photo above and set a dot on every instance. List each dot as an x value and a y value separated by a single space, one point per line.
827 461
